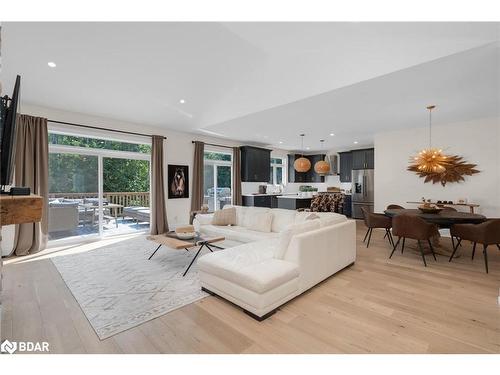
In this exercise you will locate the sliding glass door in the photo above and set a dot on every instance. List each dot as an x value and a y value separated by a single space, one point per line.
73 188
97 187
125 195
217 183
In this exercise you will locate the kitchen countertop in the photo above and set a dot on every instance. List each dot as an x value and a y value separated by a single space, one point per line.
261 195
294 196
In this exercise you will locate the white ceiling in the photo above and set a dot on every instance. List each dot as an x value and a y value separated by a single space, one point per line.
464 86
259 82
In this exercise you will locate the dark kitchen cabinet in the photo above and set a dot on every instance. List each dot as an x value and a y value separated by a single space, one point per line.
269 201
294 203
345 166
255 164
363 159
370 159
346 207
310 175
358 159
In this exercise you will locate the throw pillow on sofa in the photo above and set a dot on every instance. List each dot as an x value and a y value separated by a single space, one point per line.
204 219
240 213
224 217
330 218
282 218
301 217
292 230
258 221
312 216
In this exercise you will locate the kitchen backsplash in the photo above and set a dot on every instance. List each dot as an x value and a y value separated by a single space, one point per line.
291 188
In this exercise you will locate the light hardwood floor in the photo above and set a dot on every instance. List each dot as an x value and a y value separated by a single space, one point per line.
375 306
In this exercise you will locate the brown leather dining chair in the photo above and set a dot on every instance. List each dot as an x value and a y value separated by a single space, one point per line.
372 221
416 228
392 207
486 233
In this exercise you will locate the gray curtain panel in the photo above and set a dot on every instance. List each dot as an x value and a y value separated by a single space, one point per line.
237 199
197 195
159 224
32 170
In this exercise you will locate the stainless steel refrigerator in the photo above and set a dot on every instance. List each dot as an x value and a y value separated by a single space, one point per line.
362 191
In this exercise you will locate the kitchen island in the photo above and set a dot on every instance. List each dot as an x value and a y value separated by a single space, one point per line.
293 202
276 200
260 200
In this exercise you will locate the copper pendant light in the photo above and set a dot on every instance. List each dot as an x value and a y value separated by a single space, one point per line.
430 159
322 167
302 164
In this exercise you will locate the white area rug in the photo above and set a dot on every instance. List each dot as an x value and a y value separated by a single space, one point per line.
118 288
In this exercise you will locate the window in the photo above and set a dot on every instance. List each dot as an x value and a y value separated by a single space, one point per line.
217 182
277 175
97 187
71 140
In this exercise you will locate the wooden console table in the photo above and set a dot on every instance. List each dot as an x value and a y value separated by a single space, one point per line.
17 209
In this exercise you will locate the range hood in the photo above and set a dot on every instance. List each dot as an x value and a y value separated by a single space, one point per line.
333 161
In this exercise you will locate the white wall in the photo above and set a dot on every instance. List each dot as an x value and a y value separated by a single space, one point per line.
178 150
477 141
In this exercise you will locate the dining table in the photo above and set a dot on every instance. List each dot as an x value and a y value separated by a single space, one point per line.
444 219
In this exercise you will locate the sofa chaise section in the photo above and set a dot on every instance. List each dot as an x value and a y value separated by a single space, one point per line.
257 278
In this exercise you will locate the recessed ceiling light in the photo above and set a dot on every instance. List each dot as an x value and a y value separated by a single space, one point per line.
355 142
182 101
332 134
281 142
51 64
308 148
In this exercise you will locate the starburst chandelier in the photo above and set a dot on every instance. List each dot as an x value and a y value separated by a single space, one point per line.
430 160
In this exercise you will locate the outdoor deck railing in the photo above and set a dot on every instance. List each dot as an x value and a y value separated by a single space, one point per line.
126 199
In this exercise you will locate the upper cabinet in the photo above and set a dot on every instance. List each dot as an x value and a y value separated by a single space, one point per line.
345 166
310 175
356 159
363 159
255 164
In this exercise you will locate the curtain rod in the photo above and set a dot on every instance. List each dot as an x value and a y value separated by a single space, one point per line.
213 144
98 128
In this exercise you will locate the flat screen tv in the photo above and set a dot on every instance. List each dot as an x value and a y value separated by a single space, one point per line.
8 135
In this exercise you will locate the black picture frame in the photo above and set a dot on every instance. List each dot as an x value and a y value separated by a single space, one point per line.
178 181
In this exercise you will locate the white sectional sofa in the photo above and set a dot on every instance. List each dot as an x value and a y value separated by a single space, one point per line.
283 254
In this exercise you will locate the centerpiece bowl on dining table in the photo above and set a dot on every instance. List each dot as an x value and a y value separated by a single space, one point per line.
429 209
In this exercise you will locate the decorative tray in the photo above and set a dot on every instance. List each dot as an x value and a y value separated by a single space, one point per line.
430 210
